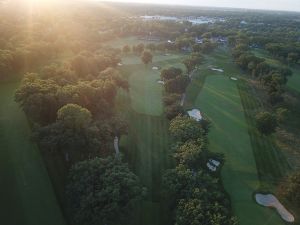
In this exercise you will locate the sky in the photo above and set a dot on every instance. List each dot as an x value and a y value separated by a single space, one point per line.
286 5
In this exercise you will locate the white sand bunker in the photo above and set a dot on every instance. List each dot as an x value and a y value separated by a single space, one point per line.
155 68
161 82
195 114
120 64
218 70
270 200
213 164
233 78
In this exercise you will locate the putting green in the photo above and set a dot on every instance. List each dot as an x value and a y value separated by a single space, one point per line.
220 101
26 192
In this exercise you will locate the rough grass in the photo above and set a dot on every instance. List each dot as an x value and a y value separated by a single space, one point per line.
27 196
220 101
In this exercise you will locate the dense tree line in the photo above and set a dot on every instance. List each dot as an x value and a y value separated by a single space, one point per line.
198 197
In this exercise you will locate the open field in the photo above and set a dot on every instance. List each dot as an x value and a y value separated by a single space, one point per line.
220 101
27 196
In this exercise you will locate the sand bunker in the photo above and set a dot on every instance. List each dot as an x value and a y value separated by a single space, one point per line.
213 164
120 64
195 114
155 68
270 200
161 82
211 167
233 78
218 70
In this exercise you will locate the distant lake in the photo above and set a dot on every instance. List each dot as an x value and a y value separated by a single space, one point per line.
193 20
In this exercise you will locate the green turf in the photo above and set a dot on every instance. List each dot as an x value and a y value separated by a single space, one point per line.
26 192
147 145
220 101
145 92
264 148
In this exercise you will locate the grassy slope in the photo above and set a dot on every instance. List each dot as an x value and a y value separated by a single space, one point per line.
147 144
220 101
26 194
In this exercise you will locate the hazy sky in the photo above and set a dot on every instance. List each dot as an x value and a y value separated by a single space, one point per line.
291 5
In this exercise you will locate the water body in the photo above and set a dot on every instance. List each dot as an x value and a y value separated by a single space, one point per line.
192 19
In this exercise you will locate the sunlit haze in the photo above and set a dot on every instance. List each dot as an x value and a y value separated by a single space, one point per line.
289 5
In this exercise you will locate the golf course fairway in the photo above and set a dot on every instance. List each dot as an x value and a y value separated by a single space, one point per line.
27 196
219 100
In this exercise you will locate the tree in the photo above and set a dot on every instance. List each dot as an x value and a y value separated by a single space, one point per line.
192 61
281 114
265 122
183 128
192 154
177 85
290 189
139 48
293 57
146 57
170 73
173 110
74 116
126 49
102 191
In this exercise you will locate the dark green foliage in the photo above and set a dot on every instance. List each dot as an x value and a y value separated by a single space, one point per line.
177 85
170 73
146 57
193 154
102 191
184 128
192 61
266 123
171 111
290 189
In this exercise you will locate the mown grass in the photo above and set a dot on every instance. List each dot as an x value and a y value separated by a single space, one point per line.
247 168
221 103
272 165
27 196
147 146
